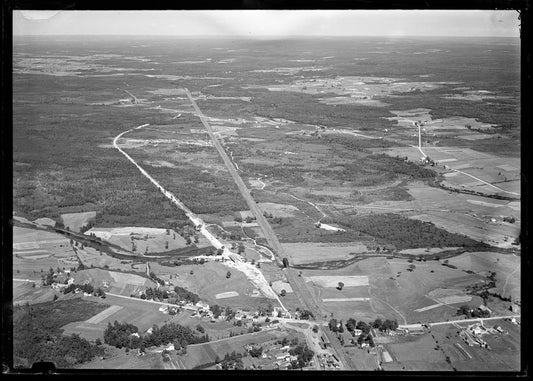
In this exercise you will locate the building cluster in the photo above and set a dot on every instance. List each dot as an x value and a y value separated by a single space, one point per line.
328 361
472 335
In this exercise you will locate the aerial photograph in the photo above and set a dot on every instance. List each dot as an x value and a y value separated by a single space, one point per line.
262 190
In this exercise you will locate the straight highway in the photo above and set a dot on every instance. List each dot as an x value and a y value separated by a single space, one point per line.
300 288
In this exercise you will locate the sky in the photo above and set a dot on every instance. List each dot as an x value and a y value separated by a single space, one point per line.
259 23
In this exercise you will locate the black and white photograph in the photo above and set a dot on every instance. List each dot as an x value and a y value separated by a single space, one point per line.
266 190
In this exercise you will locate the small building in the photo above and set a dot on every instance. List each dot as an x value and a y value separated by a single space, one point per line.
202 305
483 307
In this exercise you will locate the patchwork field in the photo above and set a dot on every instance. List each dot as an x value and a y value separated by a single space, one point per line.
35 251
137 312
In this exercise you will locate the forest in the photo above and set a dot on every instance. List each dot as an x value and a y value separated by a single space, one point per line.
405 233
37 333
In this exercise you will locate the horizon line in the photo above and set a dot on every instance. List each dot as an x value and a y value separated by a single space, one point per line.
258 36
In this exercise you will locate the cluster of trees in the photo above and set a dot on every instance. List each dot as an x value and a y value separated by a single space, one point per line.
122 335
256 351
303 353
156 279
305 314
48 278
470 312
84 228
482 289
88 288
406 233
248 219
154 293
234 236
231 361
126 335
184 294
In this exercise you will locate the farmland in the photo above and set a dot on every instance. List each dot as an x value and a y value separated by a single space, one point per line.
323 136
441 350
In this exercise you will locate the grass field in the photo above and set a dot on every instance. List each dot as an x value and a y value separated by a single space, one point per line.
209 280
76 220
392 292
507 268
118 282
307 252
141 314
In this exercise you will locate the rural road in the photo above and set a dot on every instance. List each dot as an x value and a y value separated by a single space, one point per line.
149 301
255 276
472 176
298 285
460 321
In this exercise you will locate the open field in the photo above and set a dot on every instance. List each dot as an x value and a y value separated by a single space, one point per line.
118 282
506 267
209 280
333 281
431 292
141 314
146 240
35 251
24 292
119 359
77 220
306 252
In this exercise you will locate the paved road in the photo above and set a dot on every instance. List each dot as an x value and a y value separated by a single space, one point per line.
298 284
254 208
